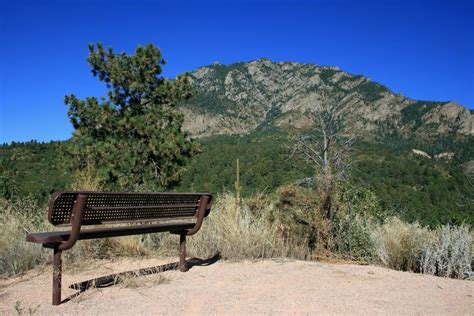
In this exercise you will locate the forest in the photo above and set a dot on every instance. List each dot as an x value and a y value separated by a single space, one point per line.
430 191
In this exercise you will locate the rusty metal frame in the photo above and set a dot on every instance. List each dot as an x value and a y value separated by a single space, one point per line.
76 218
201 213
56 195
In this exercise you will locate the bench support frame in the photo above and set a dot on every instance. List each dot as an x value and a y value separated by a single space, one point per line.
182 252
76 218
57 276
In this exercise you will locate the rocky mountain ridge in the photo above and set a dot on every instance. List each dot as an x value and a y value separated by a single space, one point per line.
238 98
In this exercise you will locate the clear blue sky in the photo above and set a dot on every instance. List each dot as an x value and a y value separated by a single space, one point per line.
422 49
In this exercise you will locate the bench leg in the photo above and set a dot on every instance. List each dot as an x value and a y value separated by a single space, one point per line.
57 267
182 252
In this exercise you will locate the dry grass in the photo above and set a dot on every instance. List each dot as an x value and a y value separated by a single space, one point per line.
257 228
23 310
238 232
17 219
401 244
136 281
127 246
23 216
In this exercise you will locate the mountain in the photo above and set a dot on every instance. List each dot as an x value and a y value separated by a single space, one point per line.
417 157
414 155
241 97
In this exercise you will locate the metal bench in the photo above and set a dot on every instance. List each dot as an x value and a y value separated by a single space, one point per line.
143 213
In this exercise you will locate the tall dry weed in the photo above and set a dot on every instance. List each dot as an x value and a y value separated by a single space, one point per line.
238 232
17 219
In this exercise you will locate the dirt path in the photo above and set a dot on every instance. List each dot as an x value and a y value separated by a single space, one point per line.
263 287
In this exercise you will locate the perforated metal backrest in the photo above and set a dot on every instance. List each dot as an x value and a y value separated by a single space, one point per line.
103 207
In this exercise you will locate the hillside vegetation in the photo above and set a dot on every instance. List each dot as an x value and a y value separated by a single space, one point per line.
430 191
415 188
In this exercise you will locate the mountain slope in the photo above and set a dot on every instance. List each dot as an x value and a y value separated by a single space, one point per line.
257 103
240 97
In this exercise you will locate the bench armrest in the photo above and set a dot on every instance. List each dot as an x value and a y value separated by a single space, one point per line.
76 221
201 213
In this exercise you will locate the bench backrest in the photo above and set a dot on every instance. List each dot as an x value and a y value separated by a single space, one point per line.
106 207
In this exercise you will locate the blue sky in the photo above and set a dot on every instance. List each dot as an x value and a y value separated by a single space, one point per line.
422 49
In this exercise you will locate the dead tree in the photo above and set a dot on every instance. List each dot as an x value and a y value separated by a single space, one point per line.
327 149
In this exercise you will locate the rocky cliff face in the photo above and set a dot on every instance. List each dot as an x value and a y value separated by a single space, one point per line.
450 117
240 97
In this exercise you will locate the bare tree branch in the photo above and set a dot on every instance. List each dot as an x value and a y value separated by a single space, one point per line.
327 150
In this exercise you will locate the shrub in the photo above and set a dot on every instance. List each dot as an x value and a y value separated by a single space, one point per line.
347 234
296 216
355 222
353 237
445 251
449 253
401 244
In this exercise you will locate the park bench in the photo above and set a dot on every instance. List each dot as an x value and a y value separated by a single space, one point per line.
126 214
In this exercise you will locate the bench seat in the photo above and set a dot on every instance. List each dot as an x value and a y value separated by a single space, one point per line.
62 236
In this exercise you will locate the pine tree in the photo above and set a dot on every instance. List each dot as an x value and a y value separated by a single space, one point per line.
133 138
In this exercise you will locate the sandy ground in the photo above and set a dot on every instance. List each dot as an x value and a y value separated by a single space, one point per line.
262 287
